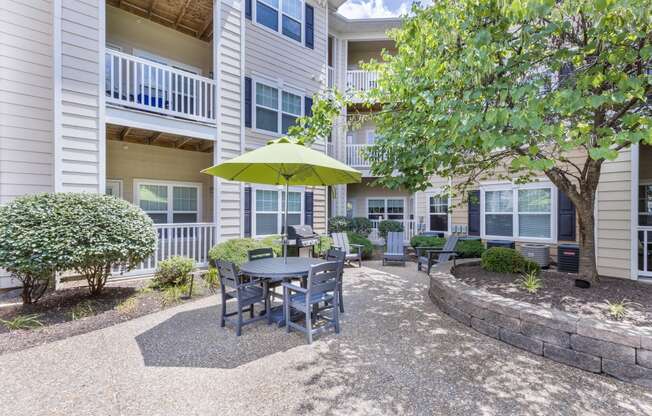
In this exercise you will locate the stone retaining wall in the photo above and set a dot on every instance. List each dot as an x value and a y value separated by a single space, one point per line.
620 350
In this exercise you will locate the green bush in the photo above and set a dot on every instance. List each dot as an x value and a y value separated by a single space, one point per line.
174 271
360 225
338 224
386 226
236 250
367 247
89 233
507 260
467 249
325 243
427 241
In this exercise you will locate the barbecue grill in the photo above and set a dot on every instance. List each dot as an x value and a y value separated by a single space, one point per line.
300 236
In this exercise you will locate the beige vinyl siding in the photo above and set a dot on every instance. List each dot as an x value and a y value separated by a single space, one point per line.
358 194
79 140
26 146
320 202
229 33
131 32
130 161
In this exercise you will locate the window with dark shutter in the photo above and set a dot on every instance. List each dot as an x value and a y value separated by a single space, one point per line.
248 9
247 211
248 102
474 212
309 216
565 218
310 27
308 106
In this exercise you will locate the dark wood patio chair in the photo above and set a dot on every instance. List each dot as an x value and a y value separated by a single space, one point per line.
339 257
246 292
395 248
322 286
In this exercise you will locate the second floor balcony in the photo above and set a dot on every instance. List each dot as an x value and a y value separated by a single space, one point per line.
149 86
361 81
355 156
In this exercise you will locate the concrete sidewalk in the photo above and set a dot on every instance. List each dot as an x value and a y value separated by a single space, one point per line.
397 354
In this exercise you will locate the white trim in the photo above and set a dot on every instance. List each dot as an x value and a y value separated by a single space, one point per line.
385 214
217 148
433 193
633 216
56 92
514 188
170 185
279 190
119 183
280 87
101 94
279 31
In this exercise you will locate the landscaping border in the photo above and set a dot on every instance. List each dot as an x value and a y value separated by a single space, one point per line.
616 349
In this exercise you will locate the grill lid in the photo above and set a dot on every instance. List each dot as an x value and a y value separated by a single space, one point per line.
300 231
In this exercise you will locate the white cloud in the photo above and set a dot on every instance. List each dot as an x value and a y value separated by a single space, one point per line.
371 9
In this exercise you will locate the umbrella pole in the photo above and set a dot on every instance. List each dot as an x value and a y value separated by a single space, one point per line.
285 224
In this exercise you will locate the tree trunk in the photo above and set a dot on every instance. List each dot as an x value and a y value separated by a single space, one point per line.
588 267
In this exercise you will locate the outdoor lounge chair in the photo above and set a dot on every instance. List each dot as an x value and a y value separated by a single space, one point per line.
260 253
395 248
245 291
434 255
339 257
321 286
341 241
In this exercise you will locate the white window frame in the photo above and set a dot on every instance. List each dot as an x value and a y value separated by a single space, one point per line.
279 11
116 184
514 188
641 183
385 214
280 87
280 190
370 136
448 214
170 185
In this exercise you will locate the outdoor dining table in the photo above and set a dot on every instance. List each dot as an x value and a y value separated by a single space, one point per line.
277 270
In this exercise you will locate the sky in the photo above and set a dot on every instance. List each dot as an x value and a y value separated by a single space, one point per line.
361 9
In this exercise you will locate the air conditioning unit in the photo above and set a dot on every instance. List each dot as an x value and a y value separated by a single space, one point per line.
568 258
539 253
500 243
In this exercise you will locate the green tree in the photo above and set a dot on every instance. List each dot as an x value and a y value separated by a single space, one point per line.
515 89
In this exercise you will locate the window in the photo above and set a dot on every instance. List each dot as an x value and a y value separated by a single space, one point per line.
169 203
520 212
290 20
269 210
438 211
645 204
268 116
386 209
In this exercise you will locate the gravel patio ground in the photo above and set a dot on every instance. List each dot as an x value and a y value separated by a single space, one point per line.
397 354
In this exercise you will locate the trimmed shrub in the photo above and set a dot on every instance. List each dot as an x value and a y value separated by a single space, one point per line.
386 226
467 249
338 224
367 247
360 225
174 271
88 233
507 260
236 250
427 241
325 243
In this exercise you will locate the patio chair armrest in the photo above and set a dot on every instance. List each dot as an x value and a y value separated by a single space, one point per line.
357 246
431 253
294 288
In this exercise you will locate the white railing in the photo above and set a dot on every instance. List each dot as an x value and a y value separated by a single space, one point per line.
149 86
361 81
355 155
331 77
409 228
187 240
644 250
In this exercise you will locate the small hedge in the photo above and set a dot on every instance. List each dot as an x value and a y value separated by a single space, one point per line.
367 247
469 249
174 271
338 224
237 249
427 241
360 225
507 260
325 243
386 226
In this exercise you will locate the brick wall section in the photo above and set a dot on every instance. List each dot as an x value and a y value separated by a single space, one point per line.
619 350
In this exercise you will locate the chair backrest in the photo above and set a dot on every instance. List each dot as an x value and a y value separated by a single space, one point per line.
228 273
395 242
341 240
339 256
261 253
323 277
451 242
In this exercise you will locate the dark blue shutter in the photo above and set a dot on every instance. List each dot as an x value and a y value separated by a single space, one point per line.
565 218
247 211
308 218
248 9
310 27
474 212
248 93
308 106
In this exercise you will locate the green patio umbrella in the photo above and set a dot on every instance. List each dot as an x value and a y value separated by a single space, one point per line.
282 162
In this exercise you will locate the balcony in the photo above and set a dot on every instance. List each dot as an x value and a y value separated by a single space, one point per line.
156 88
355 156
361 81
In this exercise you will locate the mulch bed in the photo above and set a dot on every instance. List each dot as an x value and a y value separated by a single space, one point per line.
559 292
70 312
